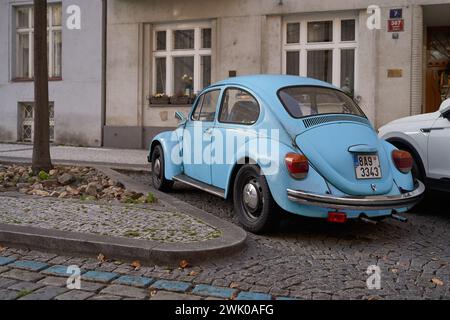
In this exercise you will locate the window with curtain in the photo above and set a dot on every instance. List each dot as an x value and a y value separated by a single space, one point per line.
182 58
24 41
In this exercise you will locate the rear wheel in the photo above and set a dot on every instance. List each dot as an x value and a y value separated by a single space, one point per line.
158 179
253 202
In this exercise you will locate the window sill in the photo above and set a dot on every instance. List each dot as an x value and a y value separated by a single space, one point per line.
32 79
189 105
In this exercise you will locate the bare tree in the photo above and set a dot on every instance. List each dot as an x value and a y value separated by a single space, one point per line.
41 144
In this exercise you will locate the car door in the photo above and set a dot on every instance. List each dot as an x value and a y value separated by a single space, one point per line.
439 149
197 137
239 111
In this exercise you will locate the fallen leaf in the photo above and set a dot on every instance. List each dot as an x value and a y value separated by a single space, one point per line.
193 273
435 259
153 293
184 264
136 265
394 270
437 282
101 258
2 248
234 285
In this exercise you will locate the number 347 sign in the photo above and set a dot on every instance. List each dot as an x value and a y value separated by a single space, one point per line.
397 25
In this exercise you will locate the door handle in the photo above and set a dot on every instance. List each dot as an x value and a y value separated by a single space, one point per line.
208 131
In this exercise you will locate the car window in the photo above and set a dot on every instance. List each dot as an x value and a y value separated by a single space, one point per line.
304 101
239 107
205 109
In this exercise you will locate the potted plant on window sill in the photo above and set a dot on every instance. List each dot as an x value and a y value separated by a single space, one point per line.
180 98
159 98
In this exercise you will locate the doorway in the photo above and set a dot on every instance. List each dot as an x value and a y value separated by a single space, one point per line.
436 55
438 67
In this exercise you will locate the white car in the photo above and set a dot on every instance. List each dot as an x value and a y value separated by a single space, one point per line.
427 138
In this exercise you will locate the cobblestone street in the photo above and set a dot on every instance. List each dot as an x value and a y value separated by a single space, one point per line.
304 259
312 259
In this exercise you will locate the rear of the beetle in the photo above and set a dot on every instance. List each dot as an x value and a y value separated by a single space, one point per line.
363 177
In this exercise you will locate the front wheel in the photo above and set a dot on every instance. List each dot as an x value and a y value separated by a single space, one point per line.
158 179
253 202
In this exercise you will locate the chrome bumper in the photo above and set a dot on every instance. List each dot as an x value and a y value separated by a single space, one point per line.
404 200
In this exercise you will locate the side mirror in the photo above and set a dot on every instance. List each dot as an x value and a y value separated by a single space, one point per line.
180 117
445 109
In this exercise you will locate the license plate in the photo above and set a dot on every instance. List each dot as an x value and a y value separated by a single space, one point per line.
367 167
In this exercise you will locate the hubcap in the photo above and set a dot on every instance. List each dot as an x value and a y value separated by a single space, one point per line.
251 197
157 168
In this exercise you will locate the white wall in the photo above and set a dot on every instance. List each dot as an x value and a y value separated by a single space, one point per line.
77 97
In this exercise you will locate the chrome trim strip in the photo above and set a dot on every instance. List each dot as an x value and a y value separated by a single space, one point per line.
200 185
404 200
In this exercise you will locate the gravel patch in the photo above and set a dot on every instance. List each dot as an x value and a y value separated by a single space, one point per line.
130 221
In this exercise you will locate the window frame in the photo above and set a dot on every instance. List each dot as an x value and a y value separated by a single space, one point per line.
363 115
30 31
24 121
198 52
223 101
336 45
197 101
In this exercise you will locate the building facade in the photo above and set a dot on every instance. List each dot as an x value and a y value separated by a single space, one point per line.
175 47
118 80
75 72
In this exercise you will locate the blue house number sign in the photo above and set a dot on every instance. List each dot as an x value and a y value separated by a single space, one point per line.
396 13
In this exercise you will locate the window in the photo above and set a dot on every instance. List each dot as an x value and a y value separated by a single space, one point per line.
206 106
309 101
181 58
292 63
320 31
24 41
26 129
323 49
348 30
320 65
293 33
239 107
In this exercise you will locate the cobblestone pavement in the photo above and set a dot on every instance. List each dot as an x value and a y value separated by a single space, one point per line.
303 259
312 259
148 222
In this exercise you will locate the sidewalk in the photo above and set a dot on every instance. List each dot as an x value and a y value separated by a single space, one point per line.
116 158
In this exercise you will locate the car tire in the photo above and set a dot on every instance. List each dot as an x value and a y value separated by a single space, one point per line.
253 201
415 171
158 179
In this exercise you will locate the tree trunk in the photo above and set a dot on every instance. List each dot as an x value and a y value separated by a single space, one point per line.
41 143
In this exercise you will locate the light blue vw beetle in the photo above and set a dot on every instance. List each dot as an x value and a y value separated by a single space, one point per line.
285 144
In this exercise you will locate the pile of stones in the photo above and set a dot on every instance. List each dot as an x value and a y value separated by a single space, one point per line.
66 182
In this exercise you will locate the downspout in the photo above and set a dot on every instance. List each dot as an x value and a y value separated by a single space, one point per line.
103 81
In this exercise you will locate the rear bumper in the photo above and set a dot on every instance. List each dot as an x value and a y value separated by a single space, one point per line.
404 200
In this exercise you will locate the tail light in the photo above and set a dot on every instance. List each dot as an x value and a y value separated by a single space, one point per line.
403 160
297 165
337 217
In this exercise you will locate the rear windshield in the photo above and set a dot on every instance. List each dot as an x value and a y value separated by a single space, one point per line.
304 101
